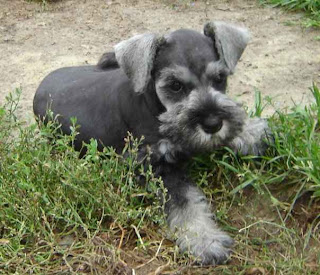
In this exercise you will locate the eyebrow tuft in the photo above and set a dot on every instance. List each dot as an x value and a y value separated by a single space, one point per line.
180 73
216 69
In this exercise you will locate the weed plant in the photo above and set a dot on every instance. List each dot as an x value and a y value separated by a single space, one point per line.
62 214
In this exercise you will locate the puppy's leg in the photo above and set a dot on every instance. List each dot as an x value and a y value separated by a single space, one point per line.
254 138
189 217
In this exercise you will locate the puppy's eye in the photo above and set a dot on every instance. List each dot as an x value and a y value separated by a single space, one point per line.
176 86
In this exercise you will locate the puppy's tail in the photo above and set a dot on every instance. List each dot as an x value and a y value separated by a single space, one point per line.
108 61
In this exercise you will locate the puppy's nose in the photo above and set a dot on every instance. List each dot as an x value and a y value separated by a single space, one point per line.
212 124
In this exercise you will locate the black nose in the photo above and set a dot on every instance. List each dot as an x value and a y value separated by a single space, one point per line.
212 124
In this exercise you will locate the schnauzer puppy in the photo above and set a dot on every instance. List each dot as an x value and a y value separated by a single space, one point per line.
171 90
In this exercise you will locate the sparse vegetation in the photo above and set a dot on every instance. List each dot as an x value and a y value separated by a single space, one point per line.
63 214
310 7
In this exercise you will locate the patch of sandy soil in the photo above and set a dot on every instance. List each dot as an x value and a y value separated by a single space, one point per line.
282 60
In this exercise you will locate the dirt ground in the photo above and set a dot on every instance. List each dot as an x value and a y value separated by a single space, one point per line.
282 59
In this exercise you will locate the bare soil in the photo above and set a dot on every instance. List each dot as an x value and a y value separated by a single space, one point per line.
282 59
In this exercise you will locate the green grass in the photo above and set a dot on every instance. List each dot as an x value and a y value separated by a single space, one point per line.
61 214
310 7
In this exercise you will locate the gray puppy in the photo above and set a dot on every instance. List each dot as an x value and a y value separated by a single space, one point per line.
171 90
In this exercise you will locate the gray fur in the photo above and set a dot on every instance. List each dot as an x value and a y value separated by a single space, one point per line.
135 57
177 126
253 139
197 232
215 69
230 41
168 150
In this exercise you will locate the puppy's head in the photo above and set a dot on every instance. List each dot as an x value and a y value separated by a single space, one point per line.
189 71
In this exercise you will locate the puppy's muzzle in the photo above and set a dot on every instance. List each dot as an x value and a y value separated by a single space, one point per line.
211 124
203 122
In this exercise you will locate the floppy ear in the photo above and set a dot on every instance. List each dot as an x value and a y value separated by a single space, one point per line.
136 57
229 40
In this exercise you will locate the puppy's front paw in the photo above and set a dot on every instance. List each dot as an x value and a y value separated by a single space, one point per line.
211 247
190 218
254 139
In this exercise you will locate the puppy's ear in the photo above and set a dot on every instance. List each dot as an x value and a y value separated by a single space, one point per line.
136 57
229 40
